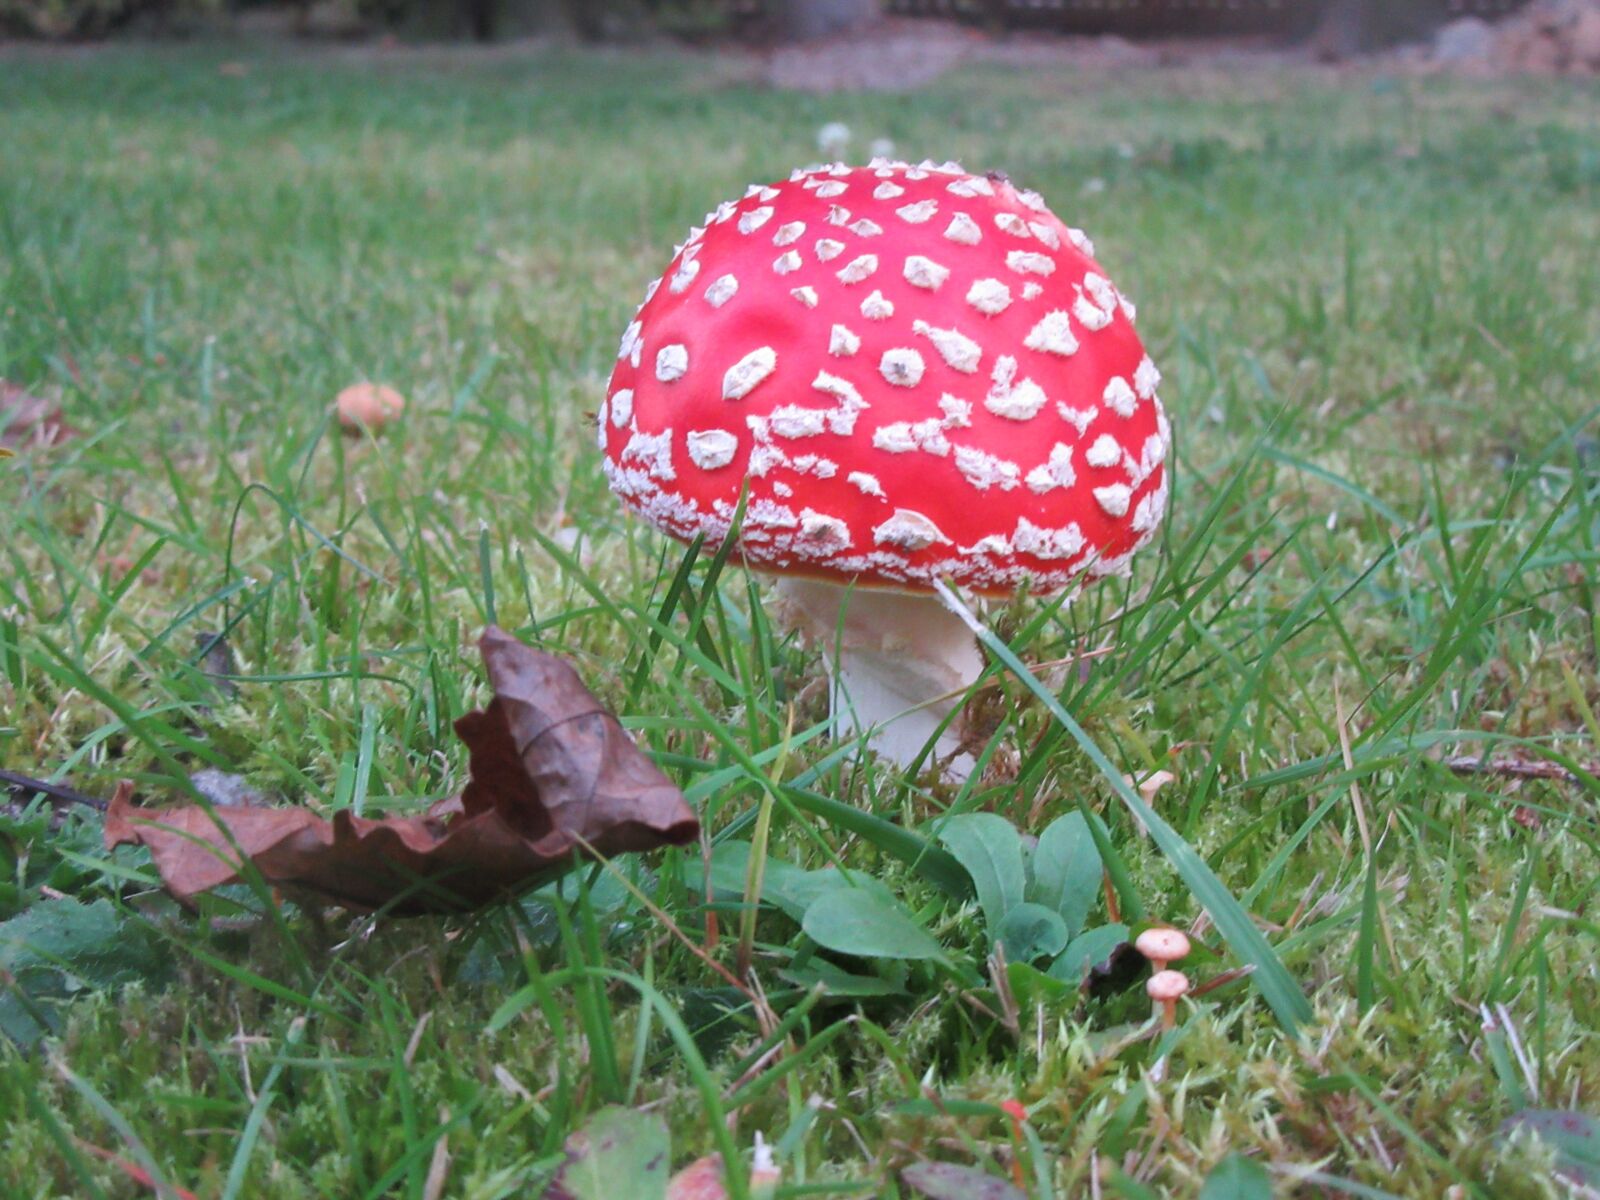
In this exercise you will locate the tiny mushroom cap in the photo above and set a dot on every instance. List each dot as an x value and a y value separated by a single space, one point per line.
1162 945
922 374
368 406
1165 987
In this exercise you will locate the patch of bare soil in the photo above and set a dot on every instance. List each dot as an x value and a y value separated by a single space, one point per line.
1551 37
888 56
1548 37
894 55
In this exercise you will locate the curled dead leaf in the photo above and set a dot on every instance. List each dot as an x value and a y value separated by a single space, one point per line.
551 771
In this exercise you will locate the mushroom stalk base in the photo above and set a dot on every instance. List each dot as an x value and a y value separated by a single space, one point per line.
898 664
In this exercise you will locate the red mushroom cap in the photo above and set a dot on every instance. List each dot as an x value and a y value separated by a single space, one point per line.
923 374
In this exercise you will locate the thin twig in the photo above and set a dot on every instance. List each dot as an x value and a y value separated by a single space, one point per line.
1515 768
24 788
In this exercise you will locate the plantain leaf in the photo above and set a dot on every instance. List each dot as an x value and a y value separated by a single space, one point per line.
1269 977
1066 870
989 848
867 924
1031 931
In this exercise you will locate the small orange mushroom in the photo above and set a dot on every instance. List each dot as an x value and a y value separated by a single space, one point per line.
368 407
1166 988
1162 946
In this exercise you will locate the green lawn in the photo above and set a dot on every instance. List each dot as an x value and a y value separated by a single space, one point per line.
1376 302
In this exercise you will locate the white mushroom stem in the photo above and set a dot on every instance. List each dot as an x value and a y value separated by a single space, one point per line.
898 664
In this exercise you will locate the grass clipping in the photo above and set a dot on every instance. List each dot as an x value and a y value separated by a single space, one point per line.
553 773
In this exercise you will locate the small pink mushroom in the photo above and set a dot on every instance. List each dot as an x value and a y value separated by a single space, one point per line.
1166 988
1162 946
368 407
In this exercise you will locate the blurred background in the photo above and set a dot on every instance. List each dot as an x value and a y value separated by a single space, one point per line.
1542 35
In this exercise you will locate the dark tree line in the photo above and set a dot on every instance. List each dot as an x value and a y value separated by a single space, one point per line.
1337 27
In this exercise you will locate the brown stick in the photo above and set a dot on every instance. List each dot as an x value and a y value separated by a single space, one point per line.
24 788
1516 768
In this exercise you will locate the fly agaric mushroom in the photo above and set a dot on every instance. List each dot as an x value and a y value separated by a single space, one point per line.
921 375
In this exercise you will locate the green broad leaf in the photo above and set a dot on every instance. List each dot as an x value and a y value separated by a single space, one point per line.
1031 931
865 923
1270 977
989 848
59 948
85 945
618 1153
1066 871
781 881
1237 1178
798 891
933 864
839 982
948 1181
1031 986
1085 952
1574 1136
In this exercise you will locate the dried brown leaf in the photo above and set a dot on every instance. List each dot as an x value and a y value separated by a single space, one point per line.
26 421
551 771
